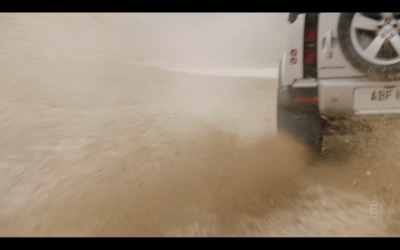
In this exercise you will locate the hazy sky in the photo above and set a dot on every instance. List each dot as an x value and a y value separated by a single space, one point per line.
209 39
171 39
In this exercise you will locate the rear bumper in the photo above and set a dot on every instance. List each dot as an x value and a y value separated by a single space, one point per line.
336 97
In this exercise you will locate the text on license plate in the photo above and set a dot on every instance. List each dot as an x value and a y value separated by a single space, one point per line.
377 98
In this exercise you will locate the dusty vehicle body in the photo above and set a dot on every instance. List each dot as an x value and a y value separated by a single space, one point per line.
337 66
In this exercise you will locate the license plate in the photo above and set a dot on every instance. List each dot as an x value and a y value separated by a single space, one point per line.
377 99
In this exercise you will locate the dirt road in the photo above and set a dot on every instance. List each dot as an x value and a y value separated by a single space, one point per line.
94 145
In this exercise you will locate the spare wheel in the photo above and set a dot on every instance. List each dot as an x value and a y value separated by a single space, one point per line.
371 43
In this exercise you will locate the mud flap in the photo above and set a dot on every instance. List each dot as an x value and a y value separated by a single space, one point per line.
301 120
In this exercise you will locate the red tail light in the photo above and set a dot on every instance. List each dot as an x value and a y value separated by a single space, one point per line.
310 35
310 56
310 45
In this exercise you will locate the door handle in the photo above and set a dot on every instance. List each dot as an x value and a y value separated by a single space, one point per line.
327 44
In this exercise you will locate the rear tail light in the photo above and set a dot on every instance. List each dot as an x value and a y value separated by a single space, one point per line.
310 56
310 35
310 45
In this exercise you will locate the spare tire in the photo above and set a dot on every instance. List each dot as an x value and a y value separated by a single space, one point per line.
371 43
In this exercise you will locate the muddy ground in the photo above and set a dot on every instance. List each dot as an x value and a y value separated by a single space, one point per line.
93 144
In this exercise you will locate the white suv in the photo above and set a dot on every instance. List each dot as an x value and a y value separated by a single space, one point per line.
337 65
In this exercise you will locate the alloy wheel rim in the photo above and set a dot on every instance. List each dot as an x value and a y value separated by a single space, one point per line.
376 37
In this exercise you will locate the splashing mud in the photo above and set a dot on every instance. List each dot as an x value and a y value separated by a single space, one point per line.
157 191
366 160
213 184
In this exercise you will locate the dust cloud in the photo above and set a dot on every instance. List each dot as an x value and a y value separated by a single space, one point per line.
209 182
95 143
